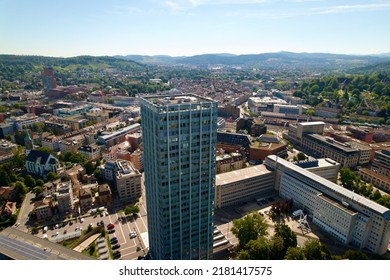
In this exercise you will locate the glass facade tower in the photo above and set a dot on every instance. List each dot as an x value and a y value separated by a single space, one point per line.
179 140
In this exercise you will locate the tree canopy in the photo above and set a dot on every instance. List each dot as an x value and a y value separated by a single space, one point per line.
249 228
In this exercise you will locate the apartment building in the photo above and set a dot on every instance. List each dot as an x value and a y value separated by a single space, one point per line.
229 162
91 152
127 181
64 197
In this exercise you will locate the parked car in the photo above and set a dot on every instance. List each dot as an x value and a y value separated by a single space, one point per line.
114 239
133 234
117 254
116 246
111 230
110 226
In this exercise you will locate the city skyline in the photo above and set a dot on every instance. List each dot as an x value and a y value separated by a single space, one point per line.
192 27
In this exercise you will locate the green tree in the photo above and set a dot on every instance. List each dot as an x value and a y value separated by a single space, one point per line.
5 178
89 167
258 249
131 210
348 178
355 255
249 227
384 200
376 195
301 156
38 190
314 250
38 127
29 181
243 255
365 189
98 175
278 250
288 236
20 191
51 176
294 253
40 182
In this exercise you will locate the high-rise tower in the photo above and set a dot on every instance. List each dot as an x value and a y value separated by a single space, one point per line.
49 82
179 138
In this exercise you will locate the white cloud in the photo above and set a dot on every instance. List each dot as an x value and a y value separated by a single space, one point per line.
178 5
351 8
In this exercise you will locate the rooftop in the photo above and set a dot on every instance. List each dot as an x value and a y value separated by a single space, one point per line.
311 123
241 174
346 147
166 100
333 187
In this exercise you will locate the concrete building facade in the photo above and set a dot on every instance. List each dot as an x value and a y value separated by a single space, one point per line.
346 216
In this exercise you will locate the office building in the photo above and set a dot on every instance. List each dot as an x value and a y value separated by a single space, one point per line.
347 154
179 141
243 185
381 162
346 216
324 167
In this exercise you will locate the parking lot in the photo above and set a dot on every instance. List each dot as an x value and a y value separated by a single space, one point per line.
127 230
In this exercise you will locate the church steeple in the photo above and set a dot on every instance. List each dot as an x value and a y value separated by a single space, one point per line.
28 142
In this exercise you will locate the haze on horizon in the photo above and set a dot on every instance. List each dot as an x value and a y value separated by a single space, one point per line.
191 27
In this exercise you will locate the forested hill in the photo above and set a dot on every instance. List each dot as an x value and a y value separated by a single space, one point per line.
68 71
277 60
374 68
107 61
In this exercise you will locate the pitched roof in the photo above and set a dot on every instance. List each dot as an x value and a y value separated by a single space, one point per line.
38 156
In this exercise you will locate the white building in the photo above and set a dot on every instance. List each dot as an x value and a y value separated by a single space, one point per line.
349 218
40 163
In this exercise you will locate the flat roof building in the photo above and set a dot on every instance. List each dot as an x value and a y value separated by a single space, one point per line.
243 185
348 217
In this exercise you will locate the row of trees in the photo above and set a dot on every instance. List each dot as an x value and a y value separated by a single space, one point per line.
350 180
256 244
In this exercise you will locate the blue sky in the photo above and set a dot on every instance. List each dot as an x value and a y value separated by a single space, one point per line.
190 27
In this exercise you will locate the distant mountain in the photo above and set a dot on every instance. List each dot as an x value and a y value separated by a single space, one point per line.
146 59
267 60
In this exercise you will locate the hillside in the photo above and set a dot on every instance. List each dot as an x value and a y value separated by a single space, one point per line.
68 71
277 60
